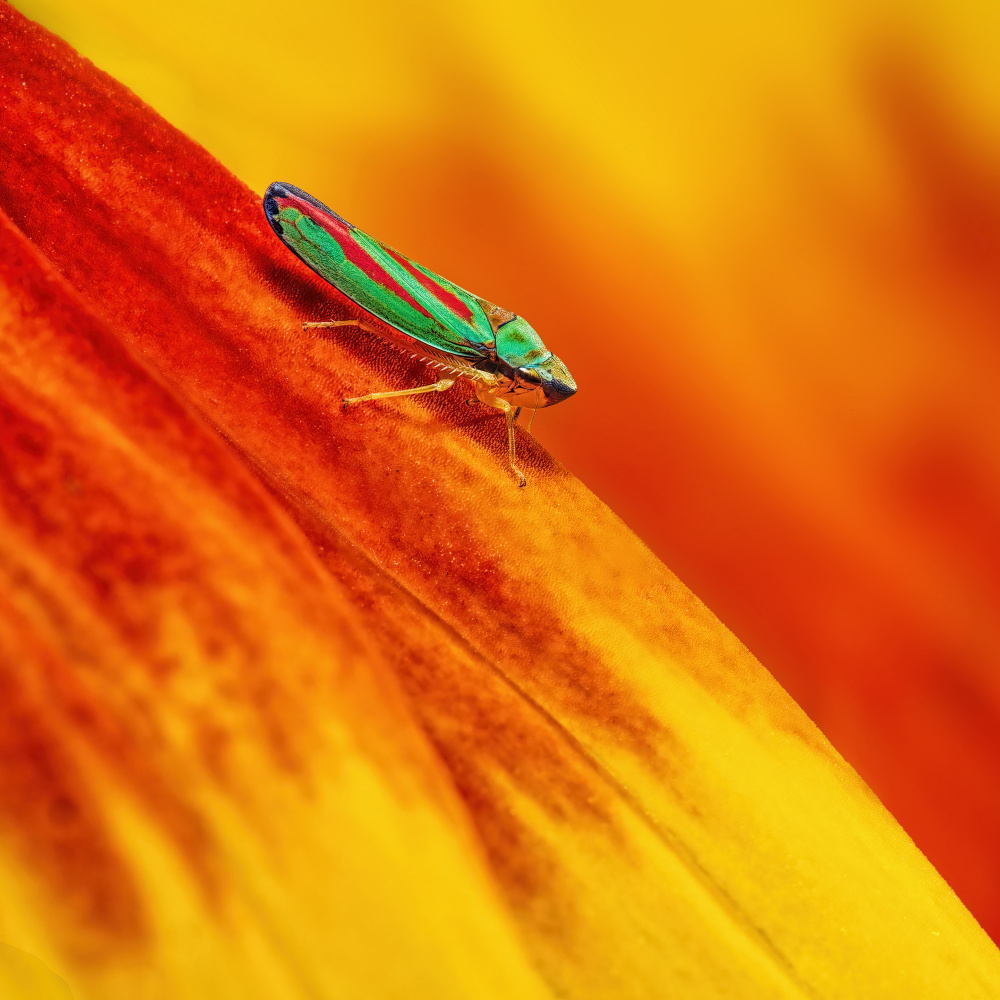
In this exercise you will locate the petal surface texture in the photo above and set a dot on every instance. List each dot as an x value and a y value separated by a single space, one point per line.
305 703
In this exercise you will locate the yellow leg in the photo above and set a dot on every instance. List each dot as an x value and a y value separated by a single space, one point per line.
511 414
442 386
337 322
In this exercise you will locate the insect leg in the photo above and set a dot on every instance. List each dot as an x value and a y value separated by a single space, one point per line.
337 322
509 414
442 386
508 411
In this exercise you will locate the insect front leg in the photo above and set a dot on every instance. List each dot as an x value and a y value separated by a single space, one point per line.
485 396
442 386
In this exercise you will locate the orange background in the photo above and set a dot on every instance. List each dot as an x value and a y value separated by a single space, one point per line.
765 239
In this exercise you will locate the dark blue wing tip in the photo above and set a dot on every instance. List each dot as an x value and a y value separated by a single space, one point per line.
279 189
271 209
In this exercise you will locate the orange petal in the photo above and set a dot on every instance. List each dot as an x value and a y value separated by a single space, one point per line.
234 597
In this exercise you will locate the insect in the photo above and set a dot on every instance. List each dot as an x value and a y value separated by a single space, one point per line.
456 332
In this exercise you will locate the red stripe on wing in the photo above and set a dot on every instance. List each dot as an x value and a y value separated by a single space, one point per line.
341 232
444 295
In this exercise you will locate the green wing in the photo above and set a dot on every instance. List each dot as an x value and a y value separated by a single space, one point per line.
414 300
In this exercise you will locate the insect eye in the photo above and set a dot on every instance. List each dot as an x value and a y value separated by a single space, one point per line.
530 375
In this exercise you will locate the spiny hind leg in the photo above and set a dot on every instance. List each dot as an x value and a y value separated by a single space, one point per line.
511 415
442 386
327 324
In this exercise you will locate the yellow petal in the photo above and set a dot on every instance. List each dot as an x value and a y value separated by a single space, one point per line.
228 700
24 977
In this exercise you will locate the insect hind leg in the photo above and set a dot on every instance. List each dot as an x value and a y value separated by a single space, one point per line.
329 323
442 386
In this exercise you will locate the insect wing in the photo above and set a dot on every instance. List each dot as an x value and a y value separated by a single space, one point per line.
393 288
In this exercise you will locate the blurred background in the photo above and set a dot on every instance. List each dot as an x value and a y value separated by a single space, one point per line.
766 240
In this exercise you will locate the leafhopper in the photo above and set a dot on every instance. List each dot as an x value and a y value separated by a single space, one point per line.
457 333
